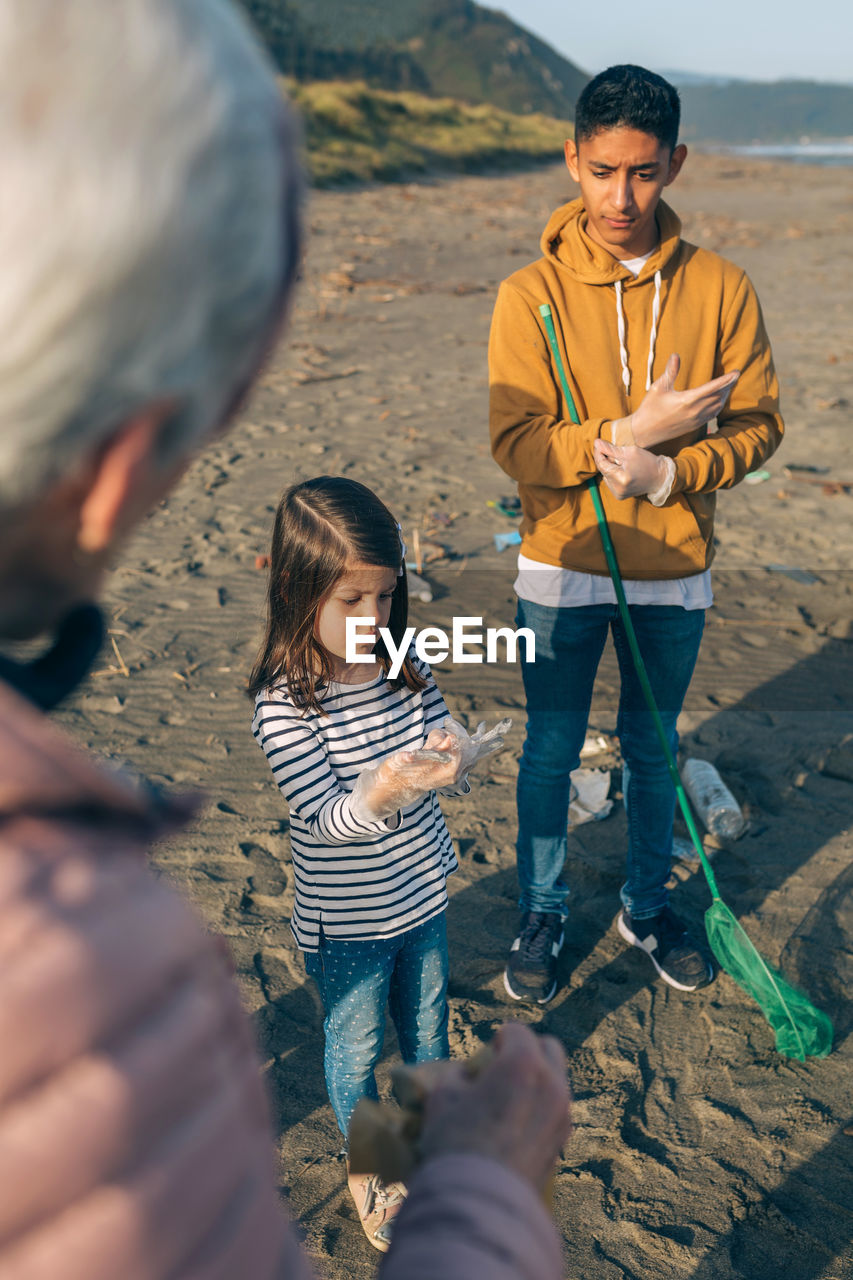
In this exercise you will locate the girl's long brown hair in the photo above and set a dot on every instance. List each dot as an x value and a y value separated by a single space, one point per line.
322 526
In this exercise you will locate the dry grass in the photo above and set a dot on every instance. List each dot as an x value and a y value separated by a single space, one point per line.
355 133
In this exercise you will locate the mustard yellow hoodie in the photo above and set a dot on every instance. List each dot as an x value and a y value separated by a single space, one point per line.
707 312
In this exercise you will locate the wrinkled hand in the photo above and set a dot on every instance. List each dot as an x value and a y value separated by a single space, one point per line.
516 1111
403 778
665 414
628 471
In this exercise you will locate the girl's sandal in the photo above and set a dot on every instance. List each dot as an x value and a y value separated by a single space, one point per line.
378 1204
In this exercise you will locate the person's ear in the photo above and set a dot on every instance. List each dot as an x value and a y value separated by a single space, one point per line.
571 153
125 478
676 160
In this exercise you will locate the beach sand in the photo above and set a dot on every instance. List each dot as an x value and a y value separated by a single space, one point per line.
698 1153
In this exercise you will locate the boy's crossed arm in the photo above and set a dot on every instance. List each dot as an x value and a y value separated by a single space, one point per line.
665 414
627 466
535 446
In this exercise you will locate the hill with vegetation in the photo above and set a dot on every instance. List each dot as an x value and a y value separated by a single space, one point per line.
354 133
444 48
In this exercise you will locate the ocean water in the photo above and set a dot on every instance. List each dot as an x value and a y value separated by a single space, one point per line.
833 152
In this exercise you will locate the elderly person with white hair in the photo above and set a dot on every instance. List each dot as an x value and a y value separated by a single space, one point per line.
148 240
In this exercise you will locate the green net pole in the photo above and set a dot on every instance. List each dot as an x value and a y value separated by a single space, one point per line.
640 666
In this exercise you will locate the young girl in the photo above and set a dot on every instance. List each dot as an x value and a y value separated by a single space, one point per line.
371 851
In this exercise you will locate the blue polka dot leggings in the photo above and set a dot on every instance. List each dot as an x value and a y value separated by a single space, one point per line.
357 980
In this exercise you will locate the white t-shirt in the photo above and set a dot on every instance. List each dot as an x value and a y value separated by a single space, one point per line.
560 588
549 584
635 265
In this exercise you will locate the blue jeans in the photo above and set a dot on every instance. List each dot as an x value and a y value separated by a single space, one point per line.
356 980
558 685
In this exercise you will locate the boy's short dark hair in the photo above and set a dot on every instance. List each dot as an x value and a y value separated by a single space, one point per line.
629 97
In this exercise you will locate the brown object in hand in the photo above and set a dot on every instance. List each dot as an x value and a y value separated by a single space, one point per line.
383 1140
386 1140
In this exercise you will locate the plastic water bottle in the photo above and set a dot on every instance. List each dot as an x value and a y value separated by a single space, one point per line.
712 800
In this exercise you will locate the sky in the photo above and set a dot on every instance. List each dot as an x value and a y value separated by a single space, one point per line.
750 39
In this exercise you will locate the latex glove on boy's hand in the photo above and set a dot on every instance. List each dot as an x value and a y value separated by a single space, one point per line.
666 414
400 780
631 472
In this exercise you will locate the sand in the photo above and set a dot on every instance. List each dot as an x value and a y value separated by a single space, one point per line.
698 1153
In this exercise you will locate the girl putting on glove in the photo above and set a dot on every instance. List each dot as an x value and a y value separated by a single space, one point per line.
359 757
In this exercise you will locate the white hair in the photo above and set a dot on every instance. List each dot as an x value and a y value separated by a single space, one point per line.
148 222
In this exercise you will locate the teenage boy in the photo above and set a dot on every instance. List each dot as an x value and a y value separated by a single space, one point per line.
635 308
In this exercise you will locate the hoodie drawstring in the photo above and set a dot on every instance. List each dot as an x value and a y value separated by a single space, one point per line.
623 350
620 325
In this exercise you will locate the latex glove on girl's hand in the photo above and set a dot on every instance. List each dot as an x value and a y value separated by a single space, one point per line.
403 778
481 743
470 747
629 471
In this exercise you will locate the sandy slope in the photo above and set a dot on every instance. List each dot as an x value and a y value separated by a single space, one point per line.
699 1153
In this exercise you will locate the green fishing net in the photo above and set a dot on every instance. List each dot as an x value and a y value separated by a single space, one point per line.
800 1028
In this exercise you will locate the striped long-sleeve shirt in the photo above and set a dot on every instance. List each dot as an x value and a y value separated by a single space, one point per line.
356 879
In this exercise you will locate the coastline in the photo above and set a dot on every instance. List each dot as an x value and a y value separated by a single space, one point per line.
827 151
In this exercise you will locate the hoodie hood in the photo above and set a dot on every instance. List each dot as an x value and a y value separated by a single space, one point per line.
565 243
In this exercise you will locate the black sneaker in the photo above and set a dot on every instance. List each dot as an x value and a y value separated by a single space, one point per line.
531 971
669 946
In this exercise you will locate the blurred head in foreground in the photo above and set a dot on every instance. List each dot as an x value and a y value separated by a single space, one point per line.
148 240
